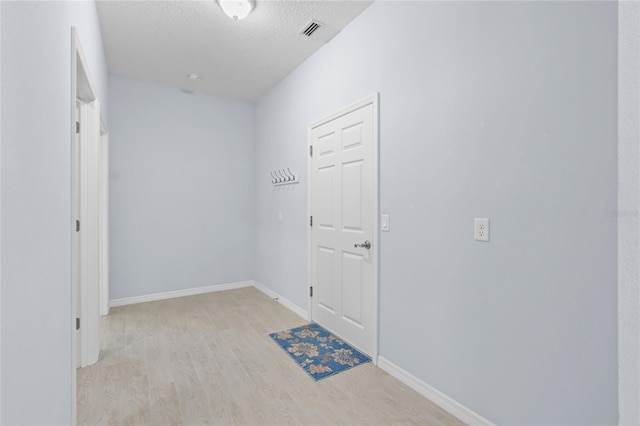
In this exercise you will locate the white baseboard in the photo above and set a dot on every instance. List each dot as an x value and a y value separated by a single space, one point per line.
179 293
209 289
465 414
286 303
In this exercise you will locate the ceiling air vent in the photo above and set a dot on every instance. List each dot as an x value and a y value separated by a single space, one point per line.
310 28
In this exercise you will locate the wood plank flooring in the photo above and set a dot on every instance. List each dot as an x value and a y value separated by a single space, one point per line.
208 359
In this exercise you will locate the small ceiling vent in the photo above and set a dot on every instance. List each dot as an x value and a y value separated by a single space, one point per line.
311 28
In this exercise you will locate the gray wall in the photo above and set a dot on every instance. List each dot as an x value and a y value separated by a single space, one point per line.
36 203
504 110
182 189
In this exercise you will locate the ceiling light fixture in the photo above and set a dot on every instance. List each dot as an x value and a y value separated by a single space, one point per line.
193 76
237 9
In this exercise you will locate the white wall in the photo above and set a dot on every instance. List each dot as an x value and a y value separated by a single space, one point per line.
504 110
36 203
629 212
182 189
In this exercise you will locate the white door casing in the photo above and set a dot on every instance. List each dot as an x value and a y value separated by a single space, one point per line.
86 196
343 206
104 223
85 245
90 233
75 228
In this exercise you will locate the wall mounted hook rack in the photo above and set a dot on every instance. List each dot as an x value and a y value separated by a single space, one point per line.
284 177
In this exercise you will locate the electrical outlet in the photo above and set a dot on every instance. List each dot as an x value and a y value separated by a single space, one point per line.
481 229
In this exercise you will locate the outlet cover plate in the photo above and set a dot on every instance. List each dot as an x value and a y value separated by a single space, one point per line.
481 229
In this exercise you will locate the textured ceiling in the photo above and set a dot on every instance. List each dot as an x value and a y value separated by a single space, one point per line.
164 41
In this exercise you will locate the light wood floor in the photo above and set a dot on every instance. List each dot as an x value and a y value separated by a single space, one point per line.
207 359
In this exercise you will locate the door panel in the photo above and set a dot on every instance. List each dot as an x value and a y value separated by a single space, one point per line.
352 136
352 197
326 144
325 183
343 207
326 281
352 265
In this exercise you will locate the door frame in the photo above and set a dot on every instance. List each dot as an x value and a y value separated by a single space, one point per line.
85 251
104 219
374 100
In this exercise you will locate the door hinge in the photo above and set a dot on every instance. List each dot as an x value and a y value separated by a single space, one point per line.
77 127
311 291
310 150
77 323
77 226
310 220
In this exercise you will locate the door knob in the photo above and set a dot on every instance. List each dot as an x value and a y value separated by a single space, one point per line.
366 244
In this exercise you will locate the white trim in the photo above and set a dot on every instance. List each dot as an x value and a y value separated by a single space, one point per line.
179 293
104 220
210 289
452 406
0 215
376 225
627 219
72 320
89 284
309 210
85 196
88 344
373 99
284 302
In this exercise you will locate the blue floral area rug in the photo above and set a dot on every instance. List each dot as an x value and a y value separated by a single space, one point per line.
318 352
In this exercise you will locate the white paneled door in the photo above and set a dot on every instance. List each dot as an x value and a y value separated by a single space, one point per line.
343 223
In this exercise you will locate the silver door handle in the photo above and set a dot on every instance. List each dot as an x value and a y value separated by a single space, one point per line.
366 244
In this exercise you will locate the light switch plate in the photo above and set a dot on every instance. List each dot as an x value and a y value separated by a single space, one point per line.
481 229
384 222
